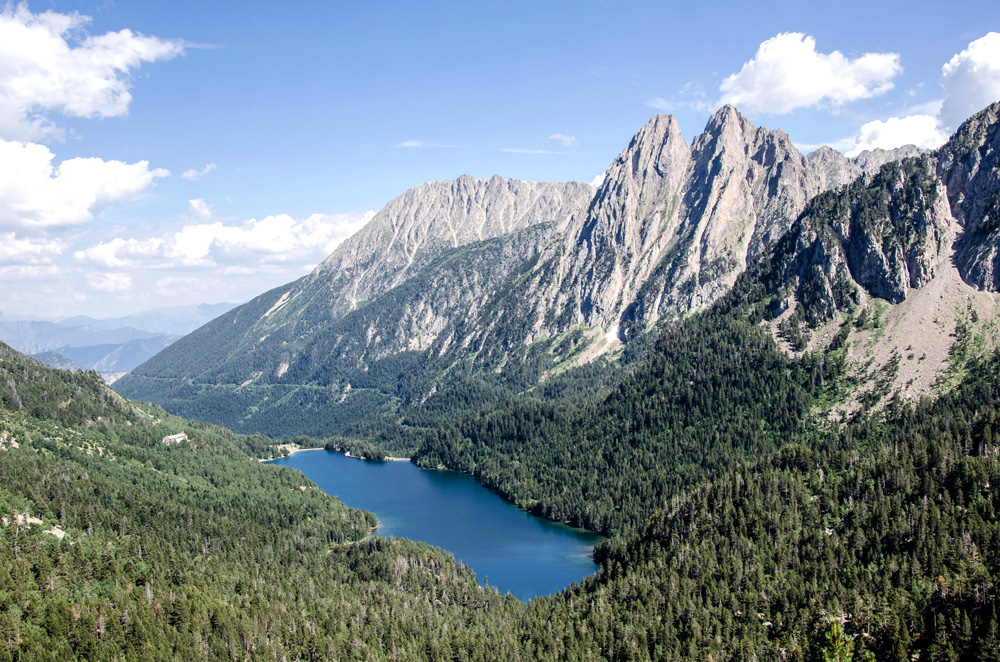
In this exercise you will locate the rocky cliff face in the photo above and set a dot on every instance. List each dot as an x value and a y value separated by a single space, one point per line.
428 219
968 165
672 226
501 282
884 234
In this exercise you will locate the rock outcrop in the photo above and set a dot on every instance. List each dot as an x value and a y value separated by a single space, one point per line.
672 226
499 282
968 165
884 234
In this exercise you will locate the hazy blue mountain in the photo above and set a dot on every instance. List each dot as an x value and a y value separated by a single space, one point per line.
177 320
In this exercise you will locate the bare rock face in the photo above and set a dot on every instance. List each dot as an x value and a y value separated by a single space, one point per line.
672 226
968 165
883 234
427 219
886 233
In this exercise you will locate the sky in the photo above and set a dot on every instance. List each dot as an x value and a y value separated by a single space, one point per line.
158 154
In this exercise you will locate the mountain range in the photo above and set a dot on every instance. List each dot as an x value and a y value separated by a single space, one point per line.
781 407
501 287
111 346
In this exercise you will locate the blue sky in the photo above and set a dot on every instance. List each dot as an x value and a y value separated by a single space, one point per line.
229 148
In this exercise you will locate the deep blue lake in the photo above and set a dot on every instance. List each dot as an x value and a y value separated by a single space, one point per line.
512 550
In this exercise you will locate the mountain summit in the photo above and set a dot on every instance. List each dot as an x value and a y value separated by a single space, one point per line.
497 285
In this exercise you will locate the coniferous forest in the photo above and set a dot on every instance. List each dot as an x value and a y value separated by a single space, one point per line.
749 549
762 498
719 381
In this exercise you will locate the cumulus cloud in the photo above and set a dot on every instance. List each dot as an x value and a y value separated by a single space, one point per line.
920 130
597 181
194 174
788 72
278 238
566 141
120 252
272 240
48 63
198 210
27 251
35 193
971 80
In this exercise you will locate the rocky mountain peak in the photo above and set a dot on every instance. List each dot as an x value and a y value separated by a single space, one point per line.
429 218
969 165
656 160
673 225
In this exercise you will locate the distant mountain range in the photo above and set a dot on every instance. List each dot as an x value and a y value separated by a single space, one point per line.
172 320
110 346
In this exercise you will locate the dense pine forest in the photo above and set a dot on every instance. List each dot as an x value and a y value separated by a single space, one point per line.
746 519
757 550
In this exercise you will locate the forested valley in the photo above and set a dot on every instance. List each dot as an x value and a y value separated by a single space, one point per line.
748 518
197 551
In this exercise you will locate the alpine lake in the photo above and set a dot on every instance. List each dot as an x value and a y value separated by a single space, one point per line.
508 549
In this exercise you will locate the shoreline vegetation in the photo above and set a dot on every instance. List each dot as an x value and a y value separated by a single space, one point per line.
290 449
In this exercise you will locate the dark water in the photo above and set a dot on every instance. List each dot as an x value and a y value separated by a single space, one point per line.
512 550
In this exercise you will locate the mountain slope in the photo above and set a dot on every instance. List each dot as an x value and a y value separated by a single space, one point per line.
460 285
742 379
116 545
916 236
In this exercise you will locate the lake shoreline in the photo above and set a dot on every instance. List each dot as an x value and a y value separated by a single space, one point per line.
519 551
387 458
291 451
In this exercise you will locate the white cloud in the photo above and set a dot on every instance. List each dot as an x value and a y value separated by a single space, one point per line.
278 238
120 252
971 80
194 174
110 282
34 193
597 181
273 239
47 63
199 210
919 130
566 141
23 251
787 73
422 143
